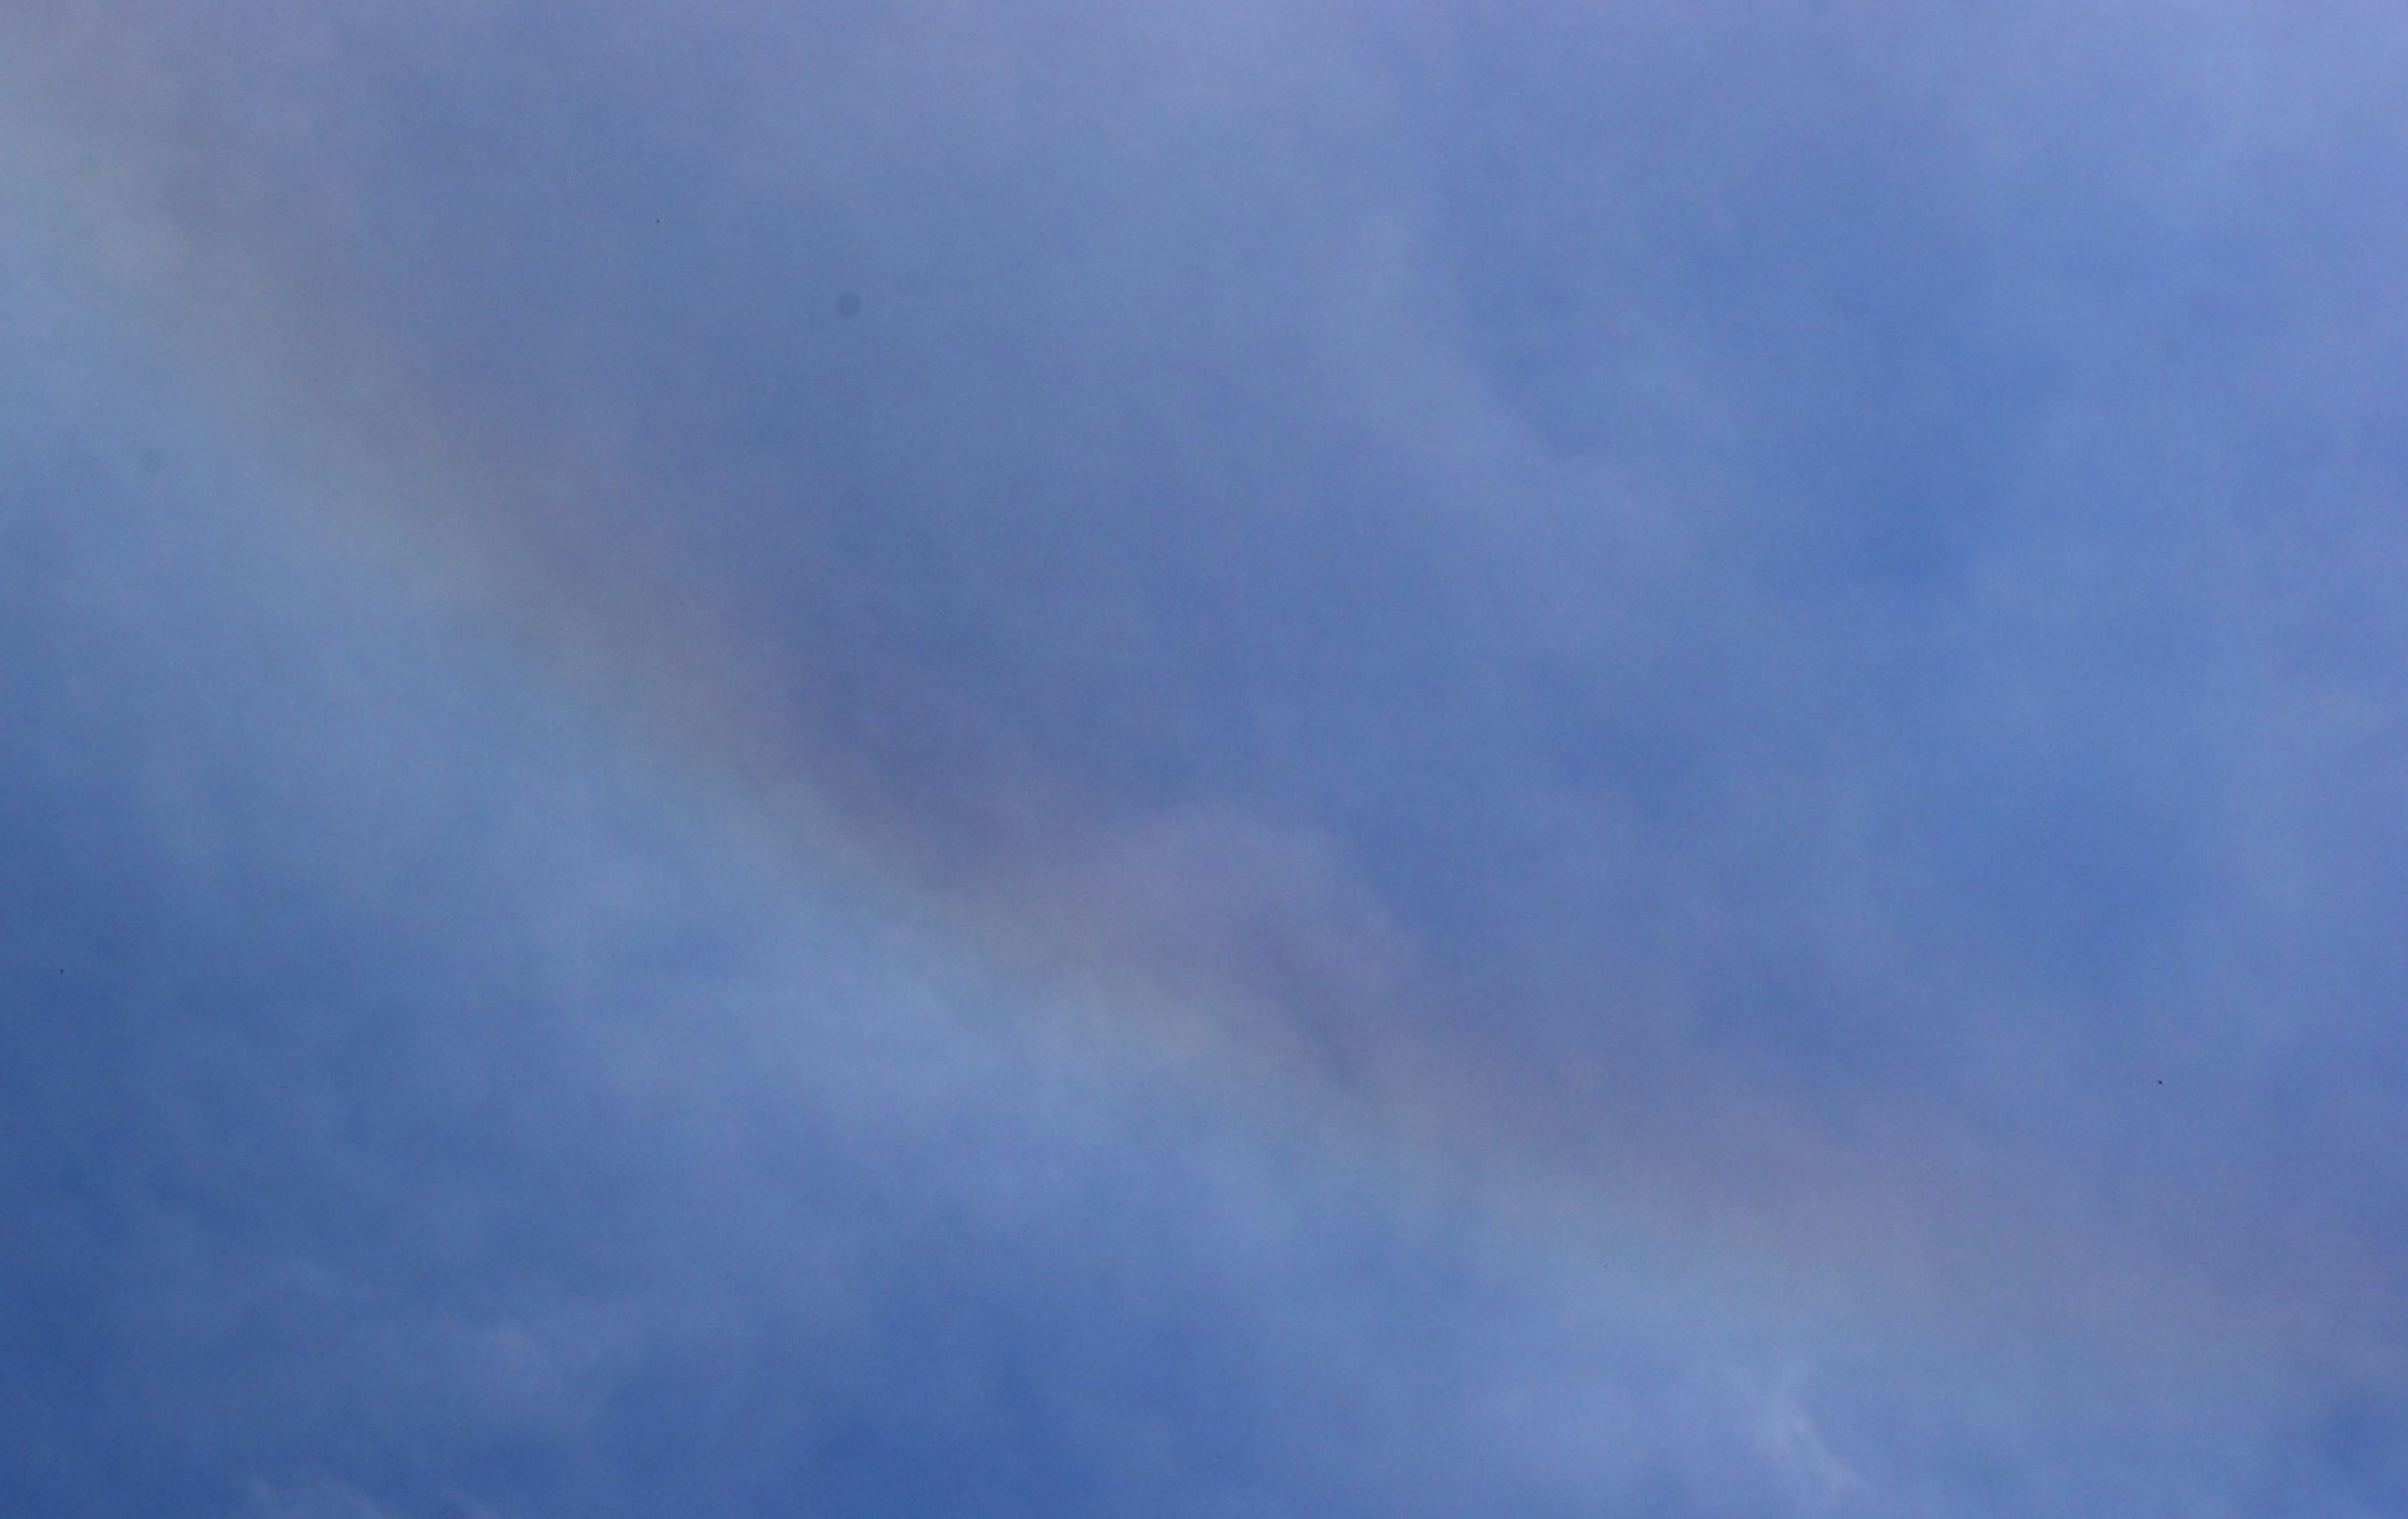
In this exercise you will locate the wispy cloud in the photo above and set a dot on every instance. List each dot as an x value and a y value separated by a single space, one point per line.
793 722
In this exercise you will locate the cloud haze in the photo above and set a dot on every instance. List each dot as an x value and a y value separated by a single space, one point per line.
1204 758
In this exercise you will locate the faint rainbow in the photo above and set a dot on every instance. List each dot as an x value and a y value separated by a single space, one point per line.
326 396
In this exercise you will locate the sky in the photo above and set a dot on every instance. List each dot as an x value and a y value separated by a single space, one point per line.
1224 759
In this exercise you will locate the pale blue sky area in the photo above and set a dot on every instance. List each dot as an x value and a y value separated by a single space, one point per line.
1065 759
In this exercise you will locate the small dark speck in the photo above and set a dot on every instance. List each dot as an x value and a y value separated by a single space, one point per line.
151 461
848 306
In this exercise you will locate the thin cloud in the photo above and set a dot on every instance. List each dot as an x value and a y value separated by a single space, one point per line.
1764 629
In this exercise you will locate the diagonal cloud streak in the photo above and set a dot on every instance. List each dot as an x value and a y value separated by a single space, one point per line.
1756 639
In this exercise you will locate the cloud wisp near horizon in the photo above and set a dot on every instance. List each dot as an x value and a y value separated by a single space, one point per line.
1204 758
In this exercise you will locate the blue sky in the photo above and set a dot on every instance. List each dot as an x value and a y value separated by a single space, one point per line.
1205 759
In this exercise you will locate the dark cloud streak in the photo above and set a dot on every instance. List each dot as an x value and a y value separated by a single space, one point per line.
1780 618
